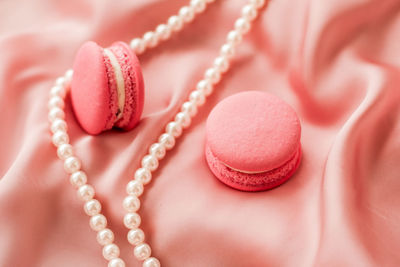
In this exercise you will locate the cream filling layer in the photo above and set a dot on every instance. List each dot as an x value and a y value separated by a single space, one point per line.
119 77
247 172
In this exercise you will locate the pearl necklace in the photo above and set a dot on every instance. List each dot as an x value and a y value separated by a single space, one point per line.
157 151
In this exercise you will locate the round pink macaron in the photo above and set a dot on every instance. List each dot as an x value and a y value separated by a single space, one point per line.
107 87
253 141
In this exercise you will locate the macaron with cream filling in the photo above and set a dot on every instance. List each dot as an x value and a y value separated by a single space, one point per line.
107 88
253 141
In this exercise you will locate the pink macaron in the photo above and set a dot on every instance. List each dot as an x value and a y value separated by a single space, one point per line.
107 88
253 141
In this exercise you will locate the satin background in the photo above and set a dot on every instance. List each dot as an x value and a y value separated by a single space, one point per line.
337 63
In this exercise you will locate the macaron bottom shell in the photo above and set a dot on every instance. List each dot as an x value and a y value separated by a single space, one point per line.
134 86
253 181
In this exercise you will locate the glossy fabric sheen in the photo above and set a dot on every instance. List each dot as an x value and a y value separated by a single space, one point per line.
336 62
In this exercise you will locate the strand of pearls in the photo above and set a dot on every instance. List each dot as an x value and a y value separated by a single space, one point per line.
157 151
174 129
174 23
72 164
78 178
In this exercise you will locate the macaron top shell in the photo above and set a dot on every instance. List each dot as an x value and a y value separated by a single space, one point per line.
95 105
253 132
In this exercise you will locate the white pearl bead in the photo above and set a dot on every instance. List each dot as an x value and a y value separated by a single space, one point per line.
167 140
136 236
186 13
174 129
72 164
58 91
183 118
117 262
131 203
98 222
257 3
92 207
110 251
142 251
56 113
151 262
205 85
150 162
150 39
163 31
59 138
85 192
198 5
157 150
56 101
134 188
213 75
60 81
234 37
249 12
59 125
242 25
197 97
221 63
78 179
175 23
227 50
68 75
137 45
190 108
64 151
143 175
132 220
105 237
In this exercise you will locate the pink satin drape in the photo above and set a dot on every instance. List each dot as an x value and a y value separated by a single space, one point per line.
337 63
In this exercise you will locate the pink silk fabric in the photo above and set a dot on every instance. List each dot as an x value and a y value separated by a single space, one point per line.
336 62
